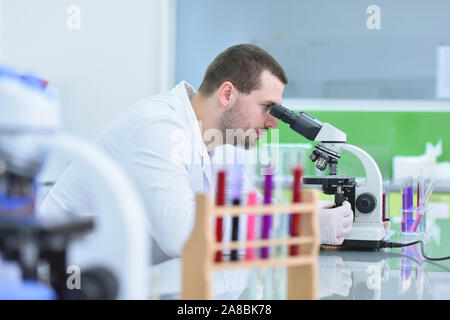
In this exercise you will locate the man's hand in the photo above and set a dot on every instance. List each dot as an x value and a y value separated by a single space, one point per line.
335 223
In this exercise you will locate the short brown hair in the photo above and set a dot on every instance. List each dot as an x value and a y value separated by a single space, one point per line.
242 65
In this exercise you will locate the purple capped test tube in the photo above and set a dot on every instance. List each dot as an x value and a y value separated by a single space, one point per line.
267 219
409 204
404 219
236 197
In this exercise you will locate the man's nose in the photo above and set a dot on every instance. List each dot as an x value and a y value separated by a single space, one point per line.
271 122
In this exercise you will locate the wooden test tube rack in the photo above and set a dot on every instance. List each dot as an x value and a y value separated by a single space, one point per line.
199 250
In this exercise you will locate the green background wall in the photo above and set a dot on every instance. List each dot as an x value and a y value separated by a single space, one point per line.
382 134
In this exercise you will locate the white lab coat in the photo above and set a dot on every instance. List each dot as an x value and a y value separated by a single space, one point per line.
158 141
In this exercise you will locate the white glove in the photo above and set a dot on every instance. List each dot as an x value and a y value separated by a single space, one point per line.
335 223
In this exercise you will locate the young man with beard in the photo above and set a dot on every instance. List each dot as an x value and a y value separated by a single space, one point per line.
165 143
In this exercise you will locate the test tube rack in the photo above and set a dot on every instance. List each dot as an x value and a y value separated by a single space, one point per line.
199 250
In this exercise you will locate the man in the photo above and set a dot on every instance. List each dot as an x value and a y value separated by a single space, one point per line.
165 143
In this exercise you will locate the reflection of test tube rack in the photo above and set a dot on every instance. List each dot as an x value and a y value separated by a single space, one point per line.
200 249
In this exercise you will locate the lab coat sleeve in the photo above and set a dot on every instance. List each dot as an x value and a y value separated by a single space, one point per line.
157 154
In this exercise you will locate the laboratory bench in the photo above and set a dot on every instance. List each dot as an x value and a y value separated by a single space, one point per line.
388 274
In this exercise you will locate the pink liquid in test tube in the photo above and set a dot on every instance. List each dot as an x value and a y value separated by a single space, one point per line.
252 200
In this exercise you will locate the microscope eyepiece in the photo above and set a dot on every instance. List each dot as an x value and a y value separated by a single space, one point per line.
301 123
282 113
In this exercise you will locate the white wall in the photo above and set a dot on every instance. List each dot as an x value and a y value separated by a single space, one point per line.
324 45
122 53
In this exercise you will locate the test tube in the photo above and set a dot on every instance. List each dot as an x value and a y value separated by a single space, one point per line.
403 223
409 204
267 219
420 207
426 197
386 201
252 201
416 223
236 196
220 201
295 217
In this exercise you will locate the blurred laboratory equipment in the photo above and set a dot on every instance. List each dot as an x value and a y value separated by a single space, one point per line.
30 130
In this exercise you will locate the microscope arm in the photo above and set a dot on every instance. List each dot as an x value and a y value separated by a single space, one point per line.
371 169
374 182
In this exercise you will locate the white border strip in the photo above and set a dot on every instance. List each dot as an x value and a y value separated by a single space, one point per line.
367 105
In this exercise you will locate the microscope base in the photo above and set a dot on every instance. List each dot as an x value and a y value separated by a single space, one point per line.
365 236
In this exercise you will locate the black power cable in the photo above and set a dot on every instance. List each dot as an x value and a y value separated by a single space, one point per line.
387 244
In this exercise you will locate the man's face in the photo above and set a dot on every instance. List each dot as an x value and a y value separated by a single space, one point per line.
249 118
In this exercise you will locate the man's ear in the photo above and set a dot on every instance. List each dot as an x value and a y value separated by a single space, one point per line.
227 94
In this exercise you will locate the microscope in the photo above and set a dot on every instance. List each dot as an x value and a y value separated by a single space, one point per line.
30 130
365 198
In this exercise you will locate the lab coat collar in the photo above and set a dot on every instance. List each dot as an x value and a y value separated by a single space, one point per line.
185 91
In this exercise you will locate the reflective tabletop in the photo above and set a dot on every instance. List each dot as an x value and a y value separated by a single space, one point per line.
388 274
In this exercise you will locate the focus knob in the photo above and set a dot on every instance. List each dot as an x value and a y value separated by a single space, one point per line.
366 203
